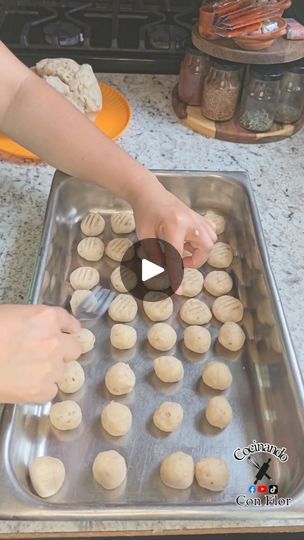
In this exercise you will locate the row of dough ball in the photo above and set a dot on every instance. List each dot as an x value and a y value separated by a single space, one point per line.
93 223
109 470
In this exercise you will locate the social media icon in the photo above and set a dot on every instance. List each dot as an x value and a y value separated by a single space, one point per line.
252 489
263 489
273 489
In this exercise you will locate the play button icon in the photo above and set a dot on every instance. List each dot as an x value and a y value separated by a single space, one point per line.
150 270
157 266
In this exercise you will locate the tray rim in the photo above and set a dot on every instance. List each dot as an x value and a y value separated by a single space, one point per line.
45 510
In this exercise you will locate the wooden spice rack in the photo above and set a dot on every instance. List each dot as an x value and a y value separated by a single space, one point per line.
282 51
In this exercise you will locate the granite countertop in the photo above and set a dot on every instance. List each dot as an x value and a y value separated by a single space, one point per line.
157 140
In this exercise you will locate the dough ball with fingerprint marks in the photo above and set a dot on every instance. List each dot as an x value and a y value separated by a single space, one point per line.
123 222
91 249
123 308
227 308
123 279
118 247
92 224
84 277
195 312
221 255
218 283
157 306
192 283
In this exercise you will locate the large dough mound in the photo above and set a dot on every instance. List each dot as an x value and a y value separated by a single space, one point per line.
77 83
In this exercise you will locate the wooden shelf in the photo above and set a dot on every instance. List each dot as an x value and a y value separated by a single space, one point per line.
192 118
282 51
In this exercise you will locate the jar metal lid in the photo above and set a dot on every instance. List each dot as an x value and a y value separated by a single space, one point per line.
225 65
268 73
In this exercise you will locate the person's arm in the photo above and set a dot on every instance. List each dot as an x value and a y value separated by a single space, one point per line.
36 116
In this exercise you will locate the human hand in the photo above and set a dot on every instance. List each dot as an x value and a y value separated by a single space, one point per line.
34 345
159 214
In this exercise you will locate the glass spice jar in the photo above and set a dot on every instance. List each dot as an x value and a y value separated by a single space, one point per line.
221 90
291 104
260 99
193 70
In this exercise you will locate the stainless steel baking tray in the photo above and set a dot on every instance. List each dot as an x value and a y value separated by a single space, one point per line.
266 395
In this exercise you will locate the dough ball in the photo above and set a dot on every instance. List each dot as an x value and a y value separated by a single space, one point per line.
77 298
169 416
91 249
123 279
218 283
218 220
109 469
47 475
65 415
84 277
92 224
158 283
227 308
217 375
168 369
72 379
120 379
177 470
157 306
86 339
123 336
197 339
116 419
123 308
117 248
195 311
162 336
123 222
221 255
192 283
219 412
231 336
212 474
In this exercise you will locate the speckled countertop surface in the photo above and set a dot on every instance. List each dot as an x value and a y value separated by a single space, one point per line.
157 140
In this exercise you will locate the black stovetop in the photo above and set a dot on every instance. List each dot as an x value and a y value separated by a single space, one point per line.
145 36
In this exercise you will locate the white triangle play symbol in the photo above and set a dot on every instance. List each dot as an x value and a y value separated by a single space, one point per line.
150 270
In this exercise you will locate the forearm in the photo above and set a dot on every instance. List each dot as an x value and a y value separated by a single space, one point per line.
37 117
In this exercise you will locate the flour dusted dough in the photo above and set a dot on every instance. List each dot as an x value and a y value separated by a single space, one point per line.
177 470
218 283
162 336
117 248
212 473
219 412
116 419
168 369
123 336
192 282
77 298
91 249
86 339
157 306
65 415
218 220
221 255
109 469
227 308
231 336
120 379
168 417
72 379
84 277
123 279
123 308
195 311
47 475
217 375
197 339
92 224
123 222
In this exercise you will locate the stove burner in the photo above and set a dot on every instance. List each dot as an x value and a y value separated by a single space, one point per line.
63 34
168 36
